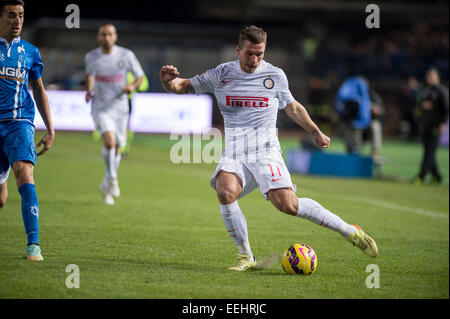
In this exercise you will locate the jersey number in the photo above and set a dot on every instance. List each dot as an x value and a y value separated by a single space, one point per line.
273 174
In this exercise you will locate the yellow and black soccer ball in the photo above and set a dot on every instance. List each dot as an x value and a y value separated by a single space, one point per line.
299 259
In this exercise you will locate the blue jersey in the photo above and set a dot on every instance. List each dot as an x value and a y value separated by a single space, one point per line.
19 61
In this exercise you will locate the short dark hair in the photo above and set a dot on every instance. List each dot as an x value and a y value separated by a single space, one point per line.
4 3
431 69
252 34
106 24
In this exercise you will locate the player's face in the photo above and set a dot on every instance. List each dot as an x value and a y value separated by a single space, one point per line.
107 37
11 22
250 55
432 77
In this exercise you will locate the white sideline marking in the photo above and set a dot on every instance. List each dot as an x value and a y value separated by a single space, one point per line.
388 205
384 204
379 203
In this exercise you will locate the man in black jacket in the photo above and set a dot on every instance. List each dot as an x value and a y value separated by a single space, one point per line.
433 106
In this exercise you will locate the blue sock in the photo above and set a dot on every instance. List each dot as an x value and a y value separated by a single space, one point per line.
30 212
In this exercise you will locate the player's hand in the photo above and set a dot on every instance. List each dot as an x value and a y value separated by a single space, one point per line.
46 141
168 73
321 140
88 96
376 109
129 88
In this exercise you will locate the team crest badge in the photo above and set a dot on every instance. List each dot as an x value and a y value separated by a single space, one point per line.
269 83
121 64
35 211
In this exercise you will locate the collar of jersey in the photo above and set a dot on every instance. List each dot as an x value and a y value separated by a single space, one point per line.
113 50
257 70
15 40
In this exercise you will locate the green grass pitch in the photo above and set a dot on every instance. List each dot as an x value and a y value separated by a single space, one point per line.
165 238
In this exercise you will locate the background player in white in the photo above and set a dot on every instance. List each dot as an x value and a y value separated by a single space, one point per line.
249 93
106 81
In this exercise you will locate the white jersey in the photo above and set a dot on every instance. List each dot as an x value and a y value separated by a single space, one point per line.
110 74
249 103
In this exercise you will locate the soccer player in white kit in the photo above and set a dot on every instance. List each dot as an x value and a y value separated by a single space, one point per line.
249 93
106 79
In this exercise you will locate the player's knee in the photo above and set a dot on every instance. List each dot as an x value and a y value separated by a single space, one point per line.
23 172
110 145
109 140
3 195
227 195
228 188
3 201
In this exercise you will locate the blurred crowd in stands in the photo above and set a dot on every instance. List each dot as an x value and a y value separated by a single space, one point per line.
392 54
393 59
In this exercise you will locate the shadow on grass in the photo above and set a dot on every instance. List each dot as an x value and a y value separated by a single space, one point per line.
157 266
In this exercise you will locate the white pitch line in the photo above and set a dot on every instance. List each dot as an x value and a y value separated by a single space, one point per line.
389 205
384 204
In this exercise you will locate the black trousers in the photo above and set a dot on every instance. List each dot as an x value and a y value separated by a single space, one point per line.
429 164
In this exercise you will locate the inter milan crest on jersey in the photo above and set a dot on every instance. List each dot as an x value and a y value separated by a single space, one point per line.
121 64
269 83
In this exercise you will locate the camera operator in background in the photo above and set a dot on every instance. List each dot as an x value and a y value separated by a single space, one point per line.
353 105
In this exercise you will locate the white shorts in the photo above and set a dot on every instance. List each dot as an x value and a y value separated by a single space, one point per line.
106 122
267 172
4 176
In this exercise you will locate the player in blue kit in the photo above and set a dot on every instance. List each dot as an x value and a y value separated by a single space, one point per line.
20 64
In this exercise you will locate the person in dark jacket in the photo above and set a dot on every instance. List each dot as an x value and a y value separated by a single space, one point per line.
433 109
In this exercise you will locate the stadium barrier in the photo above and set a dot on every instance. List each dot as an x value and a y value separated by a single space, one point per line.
329 164
151 113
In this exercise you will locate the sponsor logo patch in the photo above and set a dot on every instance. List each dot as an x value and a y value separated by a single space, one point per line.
247 101
14 74
110 78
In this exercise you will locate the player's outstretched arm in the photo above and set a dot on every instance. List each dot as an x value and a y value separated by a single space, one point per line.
172 83
298 113
40 96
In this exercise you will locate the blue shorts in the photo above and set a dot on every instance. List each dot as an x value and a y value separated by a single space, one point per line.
16 143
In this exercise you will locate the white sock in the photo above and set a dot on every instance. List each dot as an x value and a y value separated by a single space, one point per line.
244 249
236 225
105 155
109 157
118 158
313 211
